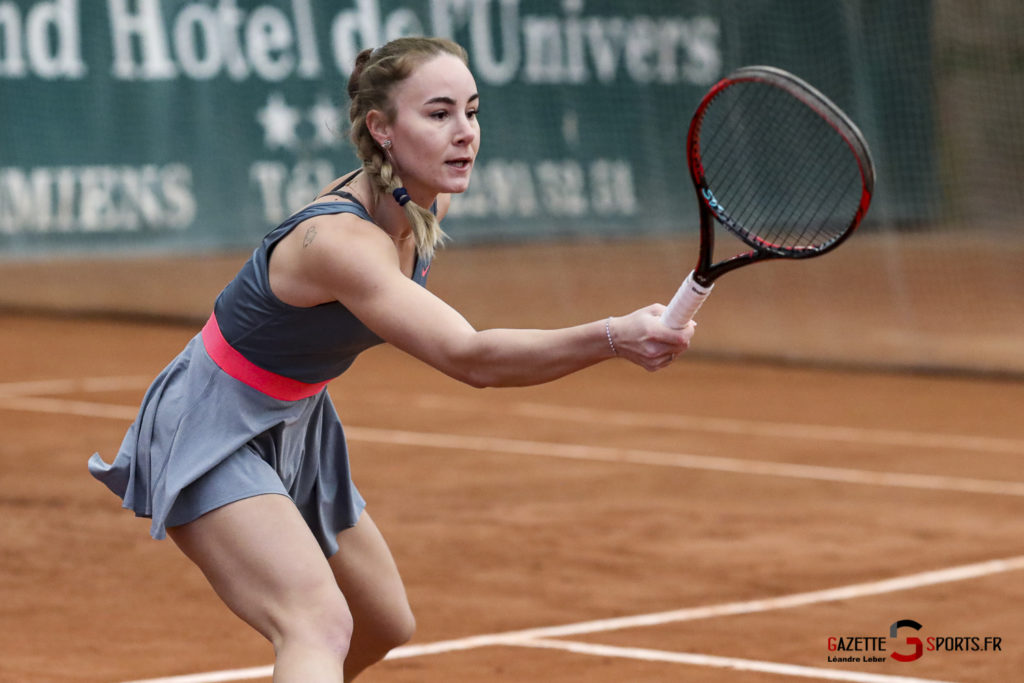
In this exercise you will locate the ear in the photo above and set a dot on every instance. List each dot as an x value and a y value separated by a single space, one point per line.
377 124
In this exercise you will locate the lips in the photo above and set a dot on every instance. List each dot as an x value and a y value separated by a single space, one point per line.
461 164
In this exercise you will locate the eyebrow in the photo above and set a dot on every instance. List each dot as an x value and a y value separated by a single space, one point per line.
444 99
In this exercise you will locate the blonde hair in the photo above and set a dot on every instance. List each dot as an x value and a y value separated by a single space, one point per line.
375 74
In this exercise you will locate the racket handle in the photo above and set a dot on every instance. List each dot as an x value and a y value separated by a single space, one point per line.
685 303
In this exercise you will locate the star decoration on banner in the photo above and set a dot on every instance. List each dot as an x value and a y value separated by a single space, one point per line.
279 121
326 120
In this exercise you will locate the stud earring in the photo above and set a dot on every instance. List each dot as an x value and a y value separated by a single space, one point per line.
386 145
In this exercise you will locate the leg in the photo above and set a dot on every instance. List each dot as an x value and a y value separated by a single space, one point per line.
265 564
369 579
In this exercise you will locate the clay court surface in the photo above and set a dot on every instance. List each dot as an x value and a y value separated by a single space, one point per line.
717 521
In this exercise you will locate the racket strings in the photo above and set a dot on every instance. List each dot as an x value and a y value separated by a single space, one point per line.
817 201
783 174
737 128
806 200
822 199
834 208
732 124
795 215
797 201
791 209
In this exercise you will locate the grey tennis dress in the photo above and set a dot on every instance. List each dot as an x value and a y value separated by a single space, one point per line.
243 410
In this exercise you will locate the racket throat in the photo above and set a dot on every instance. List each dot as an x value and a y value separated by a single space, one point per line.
702 281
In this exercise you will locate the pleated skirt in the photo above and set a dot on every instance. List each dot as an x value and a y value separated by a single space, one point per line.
203 439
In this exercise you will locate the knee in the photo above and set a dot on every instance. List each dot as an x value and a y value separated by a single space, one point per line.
403 629
335 628
393 630
326 627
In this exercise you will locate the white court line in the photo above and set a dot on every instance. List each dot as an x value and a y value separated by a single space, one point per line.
716 662
69 386
842 475
536 637
684 460
12 395
731 426
525 637
851 592
63 406
626 418
215 676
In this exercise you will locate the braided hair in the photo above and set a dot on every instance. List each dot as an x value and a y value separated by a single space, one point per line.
375 74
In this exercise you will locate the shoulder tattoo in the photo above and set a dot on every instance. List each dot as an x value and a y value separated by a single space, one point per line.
308 238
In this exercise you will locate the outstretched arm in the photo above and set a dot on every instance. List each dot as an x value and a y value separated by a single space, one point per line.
359 267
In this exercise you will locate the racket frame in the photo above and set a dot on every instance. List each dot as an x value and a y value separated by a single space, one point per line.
697 285
705 271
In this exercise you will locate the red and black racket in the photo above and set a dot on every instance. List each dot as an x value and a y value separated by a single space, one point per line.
780 166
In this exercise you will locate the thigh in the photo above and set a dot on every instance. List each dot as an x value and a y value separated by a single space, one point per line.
262 559
368 576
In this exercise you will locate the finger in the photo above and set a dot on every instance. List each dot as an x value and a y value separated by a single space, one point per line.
661 363
688 331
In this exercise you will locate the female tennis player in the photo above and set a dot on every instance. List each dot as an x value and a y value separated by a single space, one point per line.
237 453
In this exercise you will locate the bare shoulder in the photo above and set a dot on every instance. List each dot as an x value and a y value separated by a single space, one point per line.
342 238
327 254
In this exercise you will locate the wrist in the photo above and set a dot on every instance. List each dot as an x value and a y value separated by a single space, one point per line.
610 337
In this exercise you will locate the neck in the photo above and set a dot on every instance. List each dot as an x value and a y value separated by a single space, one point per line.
391 218
387 213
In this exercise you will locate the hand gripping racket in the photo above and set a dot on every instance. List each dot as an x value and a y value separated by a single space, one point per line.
780 166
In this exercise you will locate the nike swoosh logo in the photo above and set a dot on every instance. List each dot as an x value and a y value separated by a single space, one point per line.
423 272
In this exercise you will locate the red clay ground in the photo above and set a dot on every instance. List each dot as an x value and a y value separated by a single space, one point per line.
492 540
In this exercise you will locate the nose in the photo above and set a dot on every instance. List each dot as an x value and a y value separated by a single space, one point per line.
465 131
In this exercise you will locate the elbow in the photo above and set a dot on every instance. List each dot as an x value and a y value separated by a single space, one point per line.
478 379
472 364
480 363
477 374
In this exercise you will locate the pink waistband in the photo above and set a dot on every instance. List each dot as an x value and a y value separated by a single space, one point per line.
238 366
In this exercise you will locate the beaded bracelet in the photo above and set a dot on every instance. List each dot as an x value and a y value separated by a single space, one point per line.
608 332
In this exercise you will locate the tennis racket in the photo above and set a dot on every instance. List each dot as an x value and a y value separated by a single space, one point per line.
777 164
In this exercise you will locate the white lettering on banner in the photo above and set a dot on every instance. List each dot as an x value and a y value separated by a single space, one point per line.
204 41
501 188
449 16
156 40
145 28
286 188
557 49
46 45
87 199
504 188
354 30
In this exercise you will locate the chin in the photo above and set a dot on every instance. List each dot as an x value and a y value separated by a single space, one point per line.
455 187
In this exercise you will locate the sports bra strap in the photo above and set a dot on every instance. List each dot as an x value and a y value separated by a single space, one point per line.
338 192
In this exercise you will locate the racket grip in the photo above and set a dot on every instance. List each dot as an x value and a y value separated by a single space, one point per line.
684 304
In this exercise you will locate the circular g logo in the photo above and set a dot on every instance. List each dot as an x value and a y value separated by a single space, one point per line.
916 642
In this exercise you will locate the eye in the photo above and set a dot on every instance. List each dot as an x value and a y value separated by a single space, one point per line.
473 113
439 115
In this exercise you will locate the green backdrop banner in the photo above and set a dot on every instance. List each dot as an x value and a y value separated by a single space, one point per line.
190 124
